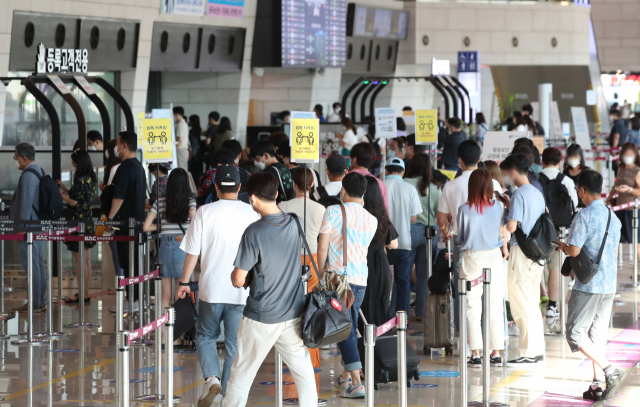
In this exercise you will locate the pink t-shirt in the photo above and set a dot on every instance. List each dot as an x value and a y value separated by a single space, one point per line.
383 187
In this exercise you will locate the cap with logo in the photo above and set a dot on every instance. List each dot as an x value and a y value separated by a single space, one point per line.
397 161
227 175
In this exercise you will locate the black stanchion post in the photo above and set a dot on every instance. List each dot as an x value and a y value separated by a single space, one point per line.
141 271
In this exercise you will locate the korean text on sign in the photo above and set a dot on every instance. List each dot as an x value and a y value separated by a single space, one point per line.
305 140
427 126
157 140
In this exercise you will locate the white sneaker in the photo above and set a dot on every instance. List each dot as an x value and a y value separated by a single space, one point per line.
342 384
552 311
210 390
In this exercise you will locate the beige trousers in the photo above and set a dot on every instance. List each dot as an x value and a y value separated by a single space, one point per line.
524 298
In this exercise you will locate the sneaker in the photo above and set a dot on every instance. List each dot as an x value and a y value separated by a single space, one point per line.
475 362
522 361
593 393
353 392
552 311
496 361
22 308
613 381
342 384
210 390
540 359
41 308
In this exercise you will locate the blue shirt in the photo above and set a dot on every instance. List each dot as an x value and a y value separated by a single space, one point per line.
527 205
479 231
634 137
587 231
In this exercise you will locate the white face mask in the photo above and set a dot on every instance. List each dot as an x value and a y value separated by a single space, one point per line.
115 151
628 159
92 148
261 166
337 110
508 180
573 162
16 164
106 154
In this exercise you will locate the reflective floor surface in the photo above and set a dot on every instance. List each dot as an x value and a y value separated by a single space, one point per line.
79 370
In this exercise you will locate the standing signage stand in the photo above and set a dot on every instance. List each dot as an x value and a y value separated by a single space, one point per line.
386 128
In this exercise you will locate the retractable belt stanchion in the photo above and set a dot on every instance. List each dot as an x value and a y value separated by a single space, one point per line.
30 340
429 234
563 294
369 343
141 271
462 291
486 339
50 333
169 356
119 329
2 287
132 244
59 268
610 167
279 393
123 354
401 327
81 287
635 245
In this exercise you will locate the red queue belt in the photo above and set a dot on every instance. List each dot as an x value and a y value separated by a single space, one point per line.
623 206
140 279
387 326
147 329
477 281
44 237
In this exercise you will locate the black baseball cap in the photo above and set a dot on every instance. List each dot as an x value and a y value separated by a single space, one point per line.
227 175
337 164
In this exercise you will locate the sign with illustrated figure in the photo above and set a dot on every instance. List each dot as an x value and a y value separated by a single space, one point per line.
427 127
157 140
304 138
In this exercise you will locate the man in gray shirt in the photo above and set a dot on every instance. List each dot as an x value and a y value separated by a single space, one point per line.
24 204
269 261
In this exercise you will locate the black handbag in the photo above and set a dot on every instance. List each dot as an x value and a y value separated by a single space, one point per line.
185 313
583 267
326 318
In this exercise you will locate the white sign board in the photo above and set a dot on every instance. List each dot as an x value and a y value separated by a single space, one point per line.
386 124
440 66
82 81
580 126
591 97
556 124
53 60
498 144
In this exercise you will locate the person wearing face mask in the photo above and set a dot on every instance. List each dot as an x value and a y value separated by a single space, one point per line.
79 199
363 156
112 164
361 228
182 137
269 262
348 137
264 156
618 134
160 185
525 206
25 205
335 116
129 195
451 143
574 165
94 141
627 187
396 148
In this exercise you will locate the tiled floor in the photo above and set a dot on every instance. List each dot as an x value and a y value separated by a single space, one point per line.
78 370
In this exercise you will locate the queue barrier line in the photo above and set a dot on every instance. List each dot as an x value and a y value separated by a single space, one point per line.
17 236
84 238
614 158
477 281
147 329
139 279
623 206
387 326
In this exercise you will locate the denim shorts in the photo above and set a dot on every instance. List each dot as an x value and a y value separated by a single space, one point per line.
171 256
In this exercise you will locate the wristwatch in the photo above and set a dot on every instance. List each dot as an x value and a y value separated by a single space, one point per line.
183 284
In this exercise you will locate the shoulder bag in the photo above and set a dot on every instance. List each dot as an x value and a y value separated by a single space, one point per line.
326 319
583 267
339 282
284 191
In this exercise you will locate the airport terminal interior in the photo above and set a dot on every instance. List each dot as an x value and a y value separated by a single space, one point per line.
297 80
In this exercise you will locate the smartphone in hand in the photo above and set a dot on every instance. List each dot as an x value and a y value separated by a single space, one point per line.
499 197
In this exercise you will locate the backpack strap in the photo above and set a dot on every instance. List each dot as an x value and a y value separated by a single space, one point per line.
604 239
34 172
322 192
306 246
284 191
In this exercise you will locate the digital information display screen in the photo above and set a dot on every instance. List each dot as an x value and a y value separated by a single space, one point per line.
383 23
314 33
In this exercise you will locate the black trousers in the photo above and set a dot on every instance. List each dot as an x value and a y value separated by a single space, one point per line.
123 259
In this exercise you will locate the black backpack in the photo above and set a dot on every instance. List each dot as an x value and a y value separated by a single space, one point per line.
537 246
558 200
440 280
49 198
327 200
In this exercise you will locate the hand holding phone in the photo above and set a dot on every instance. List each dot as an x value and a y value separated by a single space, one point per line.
556 244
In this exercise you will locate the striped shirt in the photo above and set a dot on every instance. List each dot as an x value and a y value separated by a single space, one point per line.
167 228
361 226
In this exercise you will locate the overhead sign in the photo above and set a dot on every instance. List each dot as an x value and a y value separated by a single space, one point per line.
51 60
440 67
386 123
498 144
189 7
581 127
304 138
225 8
157 140
427 126
556 124
82 81
59 84
468 61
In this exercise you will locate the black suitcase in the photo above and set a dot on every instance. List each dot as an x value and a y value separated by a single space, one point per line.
385 359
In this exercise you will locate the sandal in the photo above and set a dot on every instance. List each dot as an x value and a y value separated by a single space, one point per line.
75 299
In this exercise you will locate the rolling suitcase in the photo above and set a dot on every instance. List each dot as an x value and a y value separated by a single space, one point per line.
438 323
385 358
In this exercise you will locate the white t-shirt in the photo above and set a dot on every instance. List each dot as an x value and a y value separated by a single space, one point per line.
350 139
215 233
112 173
315 214
332 188
456 193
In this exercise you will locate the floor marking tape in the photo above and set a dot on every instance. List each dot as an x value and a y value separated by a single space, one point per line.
189 387
58 380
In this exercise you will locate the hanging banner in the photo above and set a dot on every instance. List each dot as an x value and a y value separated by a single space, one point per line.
386 123
304 138
225 8
427 126
498 144
157 143
580 127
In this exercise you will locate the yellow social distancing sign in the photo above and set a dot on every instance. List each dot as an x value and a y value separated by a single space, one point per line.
157 140
449 174
427 126
304 140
